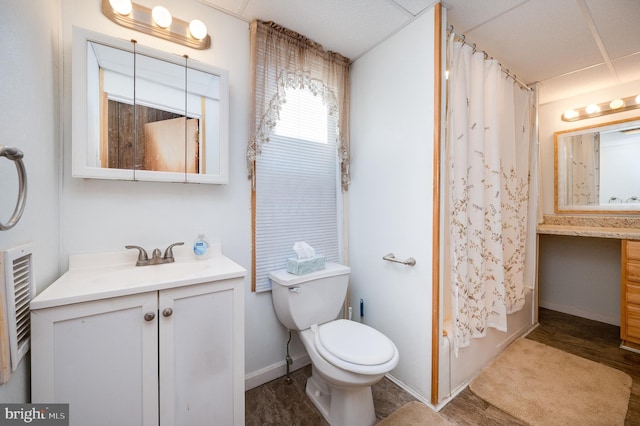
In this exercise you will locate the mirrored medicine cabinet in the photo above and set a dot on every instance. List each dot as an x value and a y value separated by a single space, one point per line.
597 168
142 114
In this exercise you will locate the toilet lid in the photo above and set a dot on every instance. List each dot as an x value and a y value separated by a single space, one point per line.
355 343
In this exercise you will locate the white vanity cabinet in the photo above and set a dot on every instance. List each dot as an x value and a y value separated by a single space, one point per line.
101 357
170 356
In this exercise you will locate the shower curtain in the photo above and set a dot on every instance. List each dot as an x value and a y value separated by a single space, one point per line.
583 180
489 159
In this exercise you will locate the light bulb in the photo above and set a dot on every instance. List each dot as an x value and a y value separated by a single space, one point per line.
638 99
570 113
198 29
592 109
161 16
121 7
616 103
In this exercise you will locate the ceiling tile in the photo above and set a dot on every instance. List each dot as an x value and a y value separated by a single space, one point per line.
588 80
628 68
537 45
347 27
415 6
618 24
465 15
232 6
537 40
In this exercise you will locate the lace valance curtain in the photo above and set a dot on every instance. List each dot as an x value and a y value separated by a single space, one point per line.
280 59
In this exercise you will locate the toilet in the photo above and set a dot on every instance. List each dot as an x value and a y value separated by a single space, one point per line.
347 357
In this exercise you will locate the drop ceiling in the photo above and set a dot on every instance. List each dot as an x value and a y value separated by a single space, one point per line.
568 46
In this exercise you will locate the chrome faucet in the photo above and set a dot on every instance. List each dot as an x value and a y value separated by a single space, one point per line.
156 257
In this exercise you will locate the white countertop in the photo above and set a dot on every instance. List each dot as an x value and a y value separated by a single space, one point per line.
114 274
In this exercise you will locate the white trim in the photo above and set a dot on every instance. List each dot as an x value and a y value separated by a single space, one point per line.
628 348
274 371
572 310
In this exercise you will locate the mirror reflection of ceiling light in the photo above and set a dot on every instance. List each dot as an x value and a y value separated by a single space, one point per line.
157 22
604 108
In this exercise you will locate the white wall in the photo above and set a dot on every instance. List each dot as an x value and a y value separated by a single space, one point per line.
106 215
392 104
619 154
580 276
392 111
29 109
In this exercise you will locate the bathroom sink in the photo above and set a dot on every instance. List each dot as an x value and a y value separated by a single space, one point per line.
95 276
138 275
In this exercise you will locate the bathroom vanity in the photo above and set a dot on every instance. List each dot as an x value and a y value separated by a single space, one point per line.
596 198
627 231
149 345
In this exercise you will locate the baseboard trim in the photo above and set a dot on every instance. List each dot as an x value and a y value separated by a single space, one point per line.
572 310
274 371
411 391
629 346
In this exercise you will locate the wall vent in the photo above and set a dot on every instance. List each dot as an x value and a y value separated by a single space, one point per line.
16 267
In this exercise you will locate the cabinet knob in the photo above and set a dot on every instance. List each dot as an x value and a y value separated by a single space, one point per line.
167 312
149 316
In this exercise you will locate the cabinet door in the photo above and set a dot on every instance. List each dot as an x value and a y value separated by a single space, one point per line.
202 355
630 307
101 357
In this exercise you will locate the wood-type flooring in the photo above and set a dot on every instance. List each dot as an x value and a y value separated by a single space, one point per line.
278 403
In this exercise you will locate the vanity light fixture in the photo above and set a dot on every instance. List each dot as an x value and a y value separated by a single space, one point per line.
157 22
604 108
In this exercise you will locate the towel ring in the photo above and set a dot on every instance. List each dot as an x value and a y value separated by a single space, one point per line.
16 155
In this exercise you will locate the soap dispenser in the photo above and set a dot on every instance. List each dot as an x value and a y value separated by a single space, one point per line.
201 247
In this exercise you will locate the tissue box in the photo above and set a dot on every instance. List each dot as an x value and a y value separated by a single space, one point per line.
305 266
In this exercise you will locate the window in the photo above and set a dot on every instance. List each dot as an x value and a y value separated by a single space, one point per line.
298 148
297 186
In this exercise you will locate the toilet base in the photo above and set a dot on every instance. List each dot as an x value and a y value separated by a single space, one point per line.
352 406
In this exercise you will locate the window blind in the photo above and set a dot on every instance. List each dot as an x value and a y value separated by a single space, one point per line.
297 187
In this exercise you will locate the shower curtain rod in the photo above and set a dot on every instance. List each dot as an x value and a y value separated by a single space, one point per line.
463 39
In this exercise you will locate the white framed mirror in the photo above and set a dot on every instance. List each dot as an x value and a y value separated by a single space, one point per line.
596 168
143 114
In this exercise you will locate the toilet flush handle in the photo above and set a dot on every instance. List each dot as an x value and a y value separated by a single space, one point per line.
294 289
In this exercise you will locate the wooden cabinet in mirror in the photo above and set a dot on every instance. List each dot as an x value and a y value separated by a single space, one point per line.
143 114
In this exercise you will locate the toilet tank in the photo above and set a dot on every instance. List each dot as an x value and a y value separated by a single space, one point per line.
315 298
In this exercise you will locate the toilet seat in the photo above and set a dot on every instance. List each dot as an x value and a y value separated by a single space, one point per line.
355 347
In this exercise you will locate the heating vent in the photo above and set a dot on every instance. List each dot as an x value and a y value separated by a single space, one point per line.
17 293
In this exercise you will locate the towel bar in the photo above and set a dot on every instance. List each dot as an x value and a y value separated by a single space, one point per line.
392 258
16 155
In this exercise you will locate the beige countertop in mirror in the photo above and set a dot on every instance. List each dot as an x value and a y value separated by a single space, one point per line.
623 228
